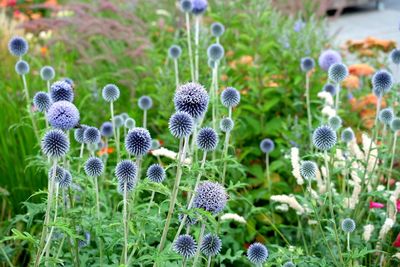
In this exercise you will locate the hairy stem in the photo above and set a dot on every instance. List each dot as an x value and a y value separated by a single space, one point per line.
144 118
114 130
176 72
28 105
48 242
196 44
189 45
203 227
151 200
309 108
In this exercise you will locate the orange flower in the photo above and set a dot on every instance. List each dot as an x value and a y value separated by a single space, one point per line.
361 69
366 52
230 53
44 51
224 77
351 82
105 150
246 60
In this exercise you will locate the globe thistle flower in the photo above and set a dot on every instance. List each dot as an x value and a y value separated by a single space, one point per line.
130 123
307 64
191 98
110 92
174 51
94 167
185 245
226 125
395 124
22 67
84 243
308 170
18 46
328 58
156 173
348 225
189 219
56 174
78 134
288 264
118 121
210 197
63 115
199 7
129 187
386 116
91 135
42 101
267 145
324 138
335 122
230 97
181 124
186 5
382 82
138 141
330 88
145 102
211 245
47 73
338 72
106 129
395 56
61 91
69 81
66 180
155 144
126 171
217 29
347 135
257 253
215 52
207 139
55 144
124 116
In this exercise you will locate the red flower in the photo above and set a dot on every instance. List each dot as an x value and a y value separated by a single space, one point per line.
396 243
398 204
376 205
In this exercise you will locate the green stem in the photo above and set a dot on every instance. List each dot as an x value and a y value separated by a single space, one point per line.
114 130
151 201
125 221
176 72
196 258
392 159
348 242
268 174
145 118
225 154
309 109
196 43
337 98
28 105
189 45
49 240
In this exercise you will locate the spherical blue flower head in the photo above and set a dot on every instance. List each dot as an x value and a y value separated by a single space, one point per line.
126 171
69 81
395 56
138 141
189 220
61 91
106 129
129 187
211 63
181 124
338 72
124 116
324 138
94 167
307 64
58 175
66 180
386 116
55 144
330 88
230 97
42 101
63 115
145 102
191 98
348 225
257 253
86 242
47 73
215 52
395 124
186 5
199 6
308 170
22 67
118 121
207 139
155 144
288 264
328 58
174 51
210 197
78 133
267 145
382 82
211 245
110 92
130 123
185 245
156 173
91 135
226 125
335 122
217 29
347 135
18 46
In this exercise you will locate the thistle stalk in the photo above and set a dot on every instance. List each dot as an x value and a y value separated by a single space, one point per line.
392 159
28 99
114 130
337 97
309 108
48 242
125 221
176 72
203 227
145 119
189 45
196 43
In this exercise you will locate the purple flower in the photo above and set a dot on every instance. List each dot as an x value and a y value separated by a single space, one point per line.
328 58
63 115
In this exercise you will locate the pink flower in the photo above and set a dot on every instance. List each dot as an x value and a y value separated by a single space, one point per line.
398 205
376 205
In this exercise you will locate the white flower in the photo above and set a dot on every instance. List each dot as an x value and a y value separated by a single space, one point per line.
289 200
328 111
294 157
234 217
169 154
327 97
368 229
